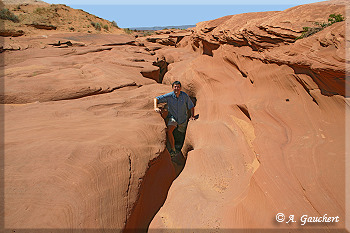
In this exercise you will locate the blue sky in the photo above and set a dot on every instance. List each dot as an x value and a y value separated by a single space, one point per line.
137 13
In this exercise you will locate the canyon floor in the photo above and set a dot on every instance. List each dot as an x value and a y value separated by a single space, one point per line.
85 152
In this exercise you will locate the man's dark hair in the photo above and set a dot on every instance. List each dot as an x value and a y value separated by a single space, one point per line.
177 83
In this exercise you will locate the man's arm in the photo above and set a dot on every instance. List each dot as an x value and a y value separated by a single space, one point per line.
156 105
192 114
190 106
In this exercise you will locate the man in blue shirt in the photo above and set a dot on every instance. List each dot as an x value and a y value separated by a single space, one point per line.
178 105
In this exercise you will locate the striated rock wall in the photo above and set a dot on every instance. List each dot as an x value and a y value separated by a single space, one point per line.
82 139
270 137
84 150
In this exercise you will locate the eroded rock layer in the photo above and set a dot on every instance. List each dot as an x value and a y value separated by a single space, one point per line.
81 133
270 137
85 150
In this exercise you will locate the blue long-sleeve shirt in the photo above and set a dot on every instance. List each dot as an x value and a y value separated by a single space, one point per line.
177 106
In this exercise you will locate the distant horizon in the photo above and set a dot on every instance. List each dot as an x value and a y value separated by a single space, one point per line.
162 27
136 13
133 16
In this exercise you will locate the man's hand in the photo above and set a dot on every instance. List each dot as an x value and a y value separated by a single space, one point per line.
158 110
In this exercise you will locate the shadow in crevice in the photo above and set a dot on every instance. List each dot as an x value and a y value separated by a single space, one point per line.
329 82
208 48
156 184
194 100
152 194
244 110
178 160
163 68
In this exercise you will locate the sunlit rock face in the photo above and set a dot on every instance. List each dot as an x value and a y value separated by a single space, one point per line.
270 137
85 150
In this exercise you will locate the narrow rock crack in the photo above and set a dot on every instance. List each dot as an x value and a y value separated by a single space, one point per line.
128 189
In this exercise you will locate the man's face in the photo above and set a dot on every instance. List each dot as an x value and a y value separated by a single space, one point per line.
176 88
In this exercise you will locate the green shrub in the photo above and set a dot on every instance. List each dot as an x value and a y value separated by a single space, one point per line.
97 26
147 34
322 24
114 24
127 30
8 15
105 27
333 18
308 31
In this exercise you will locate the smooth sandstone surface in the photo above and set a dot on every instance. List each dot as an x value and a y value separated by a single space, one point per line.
85 150
69 164
81 134
270 137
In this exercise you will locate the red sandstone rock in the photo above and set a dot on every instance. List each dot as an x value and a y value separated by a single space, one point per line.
72 164
270 135
81 134
84 149
263 30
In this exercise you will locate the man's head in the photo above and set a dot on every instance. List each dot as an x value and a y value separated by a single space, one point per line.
176 83
176 87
